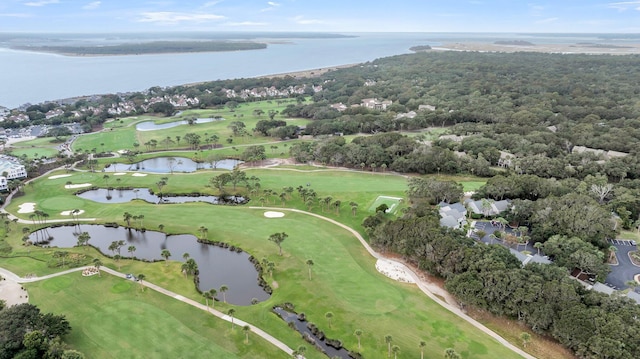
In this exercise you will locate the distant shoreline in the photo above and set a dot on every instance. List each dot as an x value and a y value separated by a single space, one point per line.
578 48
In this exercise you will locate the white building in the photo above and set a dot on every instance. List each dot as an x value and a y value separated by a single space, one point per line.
10 168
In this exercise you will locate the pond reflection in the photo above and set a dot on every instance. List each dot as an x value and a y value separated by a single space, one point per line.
218 266
171 164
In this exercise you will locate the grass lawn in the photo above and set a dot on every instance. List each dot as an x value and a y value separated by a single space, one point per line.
36 148
344 279
112 318
121 134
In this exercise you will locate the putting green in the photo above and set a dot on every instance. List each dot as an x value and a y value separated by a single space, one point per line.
392 203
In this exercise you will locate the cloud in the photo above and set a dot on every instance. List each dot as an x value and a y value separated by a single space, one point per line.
302 21
247 23
168 17
41 2
625 5
18 15
92 5
547 20
211 3
272 5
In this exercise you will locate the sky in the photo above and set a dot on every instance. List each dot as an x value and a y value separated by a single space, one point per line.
544 16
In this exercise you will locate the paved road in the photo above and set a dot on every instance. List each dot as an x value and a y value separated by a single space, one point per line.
235 321
625 270
424 286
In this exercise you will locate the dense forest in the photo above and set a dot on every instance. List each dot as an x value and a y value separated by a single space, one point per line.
154 47
592 324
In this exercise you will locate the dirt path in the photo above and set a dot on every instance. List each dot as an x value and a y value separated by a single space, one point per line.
431 290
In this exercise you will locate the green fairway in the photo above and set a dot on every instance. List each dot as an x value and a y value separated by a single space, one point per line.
36 148
344 279
112 318
122 134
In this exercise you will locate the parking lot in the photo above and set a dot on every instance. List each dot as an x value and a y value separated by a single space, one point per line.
623 242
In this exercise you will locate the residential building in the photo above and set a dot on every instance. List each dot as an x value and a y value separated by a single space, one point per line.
452 215
11 168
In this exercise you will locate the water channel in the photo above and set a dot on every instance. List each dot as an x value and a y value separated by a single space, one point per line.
104 195
152 126
218 266
302 326
171 164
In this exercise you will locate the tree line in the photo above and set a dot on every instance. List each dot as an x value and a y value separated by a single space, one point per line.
489 277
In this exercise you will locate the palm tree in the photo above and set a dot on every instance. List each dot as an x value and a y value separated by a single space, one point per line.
537 246
117 258
309 265
127 218
246 329
422 345
213 294
354 208
358 333
165 254
270 267
526 337
83 238
395 349
278 238
161 227
97 263
207 296
223 290
231 312
329 316
612 253
450 353
131 250
141 277
388 339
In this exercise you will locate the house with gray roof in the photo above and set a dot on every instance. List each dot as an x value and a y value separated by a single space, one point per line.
493 208
452 215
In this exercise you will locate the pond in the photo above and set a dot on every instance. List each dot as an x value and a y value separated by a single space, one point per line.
171 164
104 195
152 126
314 337
218 266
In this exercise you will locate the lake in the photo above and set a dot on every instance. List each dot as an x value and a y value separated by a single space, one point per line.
218 266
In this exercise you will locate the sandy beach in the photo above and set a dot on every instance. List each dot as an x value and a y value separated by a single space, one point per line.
594 49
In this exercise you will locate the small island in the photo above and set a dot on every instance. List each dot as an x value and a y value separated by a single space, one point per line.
154 47
420 48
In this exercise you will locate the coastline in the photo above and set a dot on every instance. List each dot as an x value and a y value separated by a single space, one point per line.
589 49
302 74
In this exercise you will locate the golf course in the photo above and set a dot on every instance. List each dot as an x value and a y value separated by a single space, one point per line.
320 268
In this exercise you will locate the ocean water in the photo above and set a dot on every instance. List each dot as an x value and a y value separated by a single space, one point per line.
29 77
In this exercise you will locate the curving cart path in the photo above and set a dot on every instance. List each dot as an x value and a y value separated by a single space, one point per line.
427 288
266 336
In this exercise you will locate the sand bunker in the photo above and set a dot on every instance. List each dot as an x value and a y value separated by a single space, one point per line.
80 185
59 176
271 214
119 174
28 207
122 151
139 174
393 270
68 213
12 293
